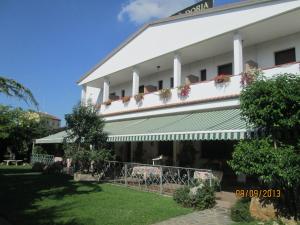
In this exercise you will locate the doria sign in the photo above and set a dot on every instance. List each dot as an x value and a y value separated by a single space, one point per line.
199 6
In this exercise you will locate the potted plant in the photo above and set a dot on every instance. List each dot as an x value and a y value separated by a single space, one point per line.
250 76
139 97
165 93
125 99
222 78
97 106
108 102
184 90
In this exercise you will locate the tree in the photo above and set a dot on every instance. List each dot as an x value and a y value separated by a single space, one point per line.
86 140
18 128
273 106
12 88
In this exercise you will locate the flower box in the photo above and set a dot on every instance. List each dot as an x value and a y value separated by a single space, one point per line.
222 79
250 76
139 97
108 102
126 99
184 90
165 93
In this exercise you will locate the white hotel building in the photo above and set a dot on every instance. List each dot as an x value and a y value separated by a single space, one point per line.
198 130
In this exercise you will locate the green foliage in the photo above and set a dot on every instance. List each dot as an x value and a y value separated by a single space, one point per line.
53 168
38 150
51 199
240 211
85 127
181 196
273 106
260 158
272 103
12 88
204 197
18 128
86 141
38 167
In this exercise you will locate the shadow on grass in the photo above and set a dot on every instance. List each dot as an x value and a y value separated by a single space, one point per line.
20 195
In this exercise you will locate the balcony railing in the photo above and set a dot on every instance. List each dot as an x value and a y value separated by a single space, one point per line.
200 92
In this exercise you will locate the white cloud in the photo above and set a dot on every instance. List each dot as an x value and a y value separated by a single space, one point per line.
141 11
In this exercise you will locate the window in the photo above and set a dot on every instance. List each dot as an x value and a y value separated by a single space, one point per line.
123 93
160 85
285 56
141 89
171 82
225 69
203 75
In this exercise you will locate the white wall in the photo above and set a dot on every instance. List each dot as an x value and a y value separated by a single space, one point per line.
263 54
163 38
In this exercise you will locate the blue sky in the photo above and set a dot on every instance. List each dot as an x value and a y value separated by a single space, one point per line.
47 45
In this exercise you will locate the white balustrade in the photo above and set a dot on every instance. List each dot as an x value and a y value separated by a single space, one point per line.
203 91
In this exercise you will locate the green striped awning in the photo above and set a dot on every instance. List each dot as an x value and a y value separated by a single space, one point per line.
225 124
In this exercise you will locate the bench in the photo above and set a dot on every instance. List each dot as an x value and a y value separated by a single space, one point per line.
12 161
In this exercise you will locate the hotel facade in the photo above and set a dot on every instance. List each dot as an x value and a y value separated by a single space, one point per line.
136 86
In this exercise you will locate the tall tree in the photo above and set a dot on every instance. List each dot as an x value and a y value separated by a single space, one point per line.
13 88
273 105
18 128
86 140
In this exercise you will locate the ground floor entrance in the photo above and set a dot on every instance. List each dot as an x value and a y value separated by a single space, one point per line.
212 155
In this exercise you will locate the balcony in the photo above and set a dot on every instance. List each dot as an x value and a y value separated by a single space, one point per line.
201 92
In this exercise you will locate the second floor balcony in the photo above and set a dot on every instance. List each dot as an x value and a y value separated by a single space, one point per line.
221 88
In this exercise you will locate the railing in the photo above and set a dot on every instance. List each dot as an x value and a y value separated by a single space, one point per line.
202 91
42 158
156 178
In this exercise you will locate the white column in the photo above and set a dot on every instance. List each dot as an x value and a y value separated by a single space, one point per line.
83 95
105 89
237 53
177 70
135 82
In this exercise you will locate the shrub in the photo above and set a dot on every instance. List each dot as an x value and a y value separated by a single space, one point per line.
204 197
38 150
38 167
53 168
181 196
240 211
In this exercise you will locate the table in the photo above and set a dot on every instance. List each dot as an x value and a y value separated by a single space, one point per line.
13 161
145 171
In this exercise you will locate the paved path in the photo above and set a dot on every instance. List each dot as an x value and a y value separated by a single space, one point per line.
215 216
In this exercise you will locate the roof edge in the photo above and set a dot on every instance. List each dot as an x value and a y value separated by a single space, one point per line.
243 3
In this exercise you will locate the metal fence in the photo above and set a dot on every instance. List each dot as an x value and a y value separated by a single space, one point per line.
42 158
157 178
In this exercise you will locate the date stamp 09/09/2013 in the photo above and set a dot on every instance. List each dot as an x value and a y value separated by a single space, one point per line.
259 193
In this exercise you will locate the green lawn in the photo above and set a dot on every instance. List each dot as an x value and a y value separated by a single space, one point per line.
37 199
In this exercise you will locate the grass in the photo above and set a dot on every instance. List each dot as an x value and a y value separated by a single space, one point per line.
36 199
